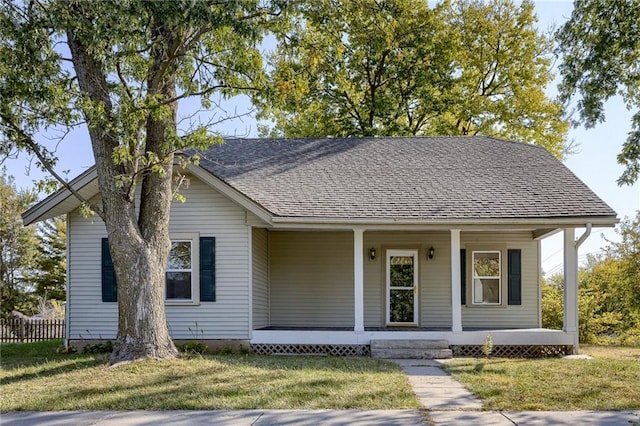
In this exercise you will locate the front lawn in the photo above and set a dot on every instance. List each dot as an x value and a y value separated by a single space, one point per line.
609 381
35 377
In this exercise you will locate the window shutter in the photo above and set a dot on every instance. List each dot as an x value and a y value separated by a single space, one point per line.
109 284
515 276
463 276
207 269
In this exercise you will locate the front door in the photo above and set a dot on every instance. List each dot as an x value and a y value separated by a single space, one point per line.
402 287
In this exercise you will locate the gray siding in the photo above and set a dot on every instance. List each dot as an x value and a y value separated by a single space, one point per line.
435 279
507 316
260 277
311 281
206 212
434 297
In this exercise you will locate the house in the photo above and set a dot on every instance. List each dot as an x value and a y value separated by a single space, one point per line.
328 245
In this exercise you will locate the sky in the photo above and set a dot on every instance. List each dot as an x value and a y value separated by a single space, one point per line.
594 161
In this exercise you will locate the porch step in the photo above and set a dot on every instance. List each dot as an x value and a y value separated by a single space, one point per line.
406 348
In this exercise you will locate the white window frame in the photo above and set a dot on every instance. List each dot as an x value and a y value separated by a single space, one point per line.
194 239
474 277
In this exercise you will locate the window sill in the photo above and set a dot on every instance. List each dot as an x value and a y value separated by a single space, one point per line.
487 305
181 303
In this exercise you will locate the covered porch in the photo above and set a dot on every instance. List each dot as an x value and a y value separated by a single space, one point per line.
360 313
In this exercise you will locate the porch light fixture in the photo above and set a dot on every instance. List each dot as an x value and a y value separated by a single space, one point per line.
432 251
372 253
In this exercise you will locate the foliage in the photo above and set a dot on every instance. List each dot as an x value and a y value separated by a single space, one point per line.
502 67
66 350
49 273
609 381
367 68
121 70
611 285
50 309
18 248
600 48
194 348
360 68
608 292
487 346
39 380
98 348
553 302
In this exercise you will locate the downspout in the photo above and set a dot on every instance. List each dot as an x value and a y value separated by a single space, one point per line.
584 236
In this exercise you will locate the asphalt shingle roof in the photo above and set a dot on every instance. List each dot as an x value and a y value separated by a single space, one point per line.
429 178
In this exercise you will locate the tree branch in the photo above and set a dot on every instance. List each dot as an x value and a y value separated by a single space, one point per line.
35 148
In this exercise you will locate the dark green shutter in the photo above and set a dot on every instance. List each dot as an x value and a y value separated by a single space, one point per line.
207 269
109 284
463 276
515 276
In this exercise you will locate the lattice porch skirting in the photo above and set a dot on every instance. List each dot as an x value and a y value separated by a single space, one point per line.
289 349
513 351
499 351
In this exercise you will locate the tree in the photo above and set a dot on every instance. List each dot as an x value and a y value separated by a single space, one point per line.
121 68
365 68
502 64
600 49
49 273
18 247
360 68
608 292
553 302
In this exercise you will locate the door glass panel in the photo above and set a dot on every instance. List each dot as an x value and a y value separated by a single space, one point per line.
401 270
401 305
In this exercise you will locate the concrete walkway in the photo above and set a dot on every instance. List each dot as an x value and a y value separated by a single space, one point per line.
436 389
449 403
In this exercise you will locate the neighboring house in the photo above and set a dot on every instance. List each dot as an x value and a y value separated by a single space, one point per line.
327 244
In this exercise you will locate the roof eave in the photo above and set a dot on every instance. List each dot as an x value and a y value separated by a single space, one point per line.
489 223
46 208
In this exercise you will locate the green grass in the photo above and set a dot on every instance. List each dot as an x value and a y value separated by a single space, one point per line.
609 381
35 377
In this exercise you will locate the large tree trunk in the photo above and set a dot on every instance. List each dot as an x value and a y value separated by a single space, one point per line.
142 328
138 237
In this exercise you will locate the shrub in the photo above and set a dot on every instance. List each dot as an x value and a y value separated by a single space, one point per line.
194 348
98 348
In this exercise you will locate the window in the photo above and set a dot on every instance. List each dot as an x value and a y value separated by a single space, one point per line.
190 274
182 274
180 271
486 277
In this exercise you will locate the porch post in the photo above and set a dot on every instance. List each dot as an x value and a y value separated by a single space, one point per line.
571 286
358 280
456 307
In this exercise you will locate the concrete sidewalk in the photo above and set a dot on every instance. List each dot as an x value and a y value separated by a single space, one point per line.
320 417
536 418
217 417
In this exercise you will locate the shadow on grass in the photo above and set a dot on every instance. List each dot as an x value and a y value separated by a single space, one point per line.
48 368
208 382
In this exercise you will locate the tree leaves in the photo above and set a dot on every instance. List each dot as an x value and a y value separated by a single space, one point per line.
366 68
600 49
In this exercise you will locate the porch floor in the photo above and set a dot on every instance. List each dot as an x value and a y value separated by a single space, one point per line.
398 329
469 336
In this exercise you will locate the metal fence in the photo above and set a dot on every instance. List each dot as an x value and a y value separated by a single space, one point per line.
17 330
